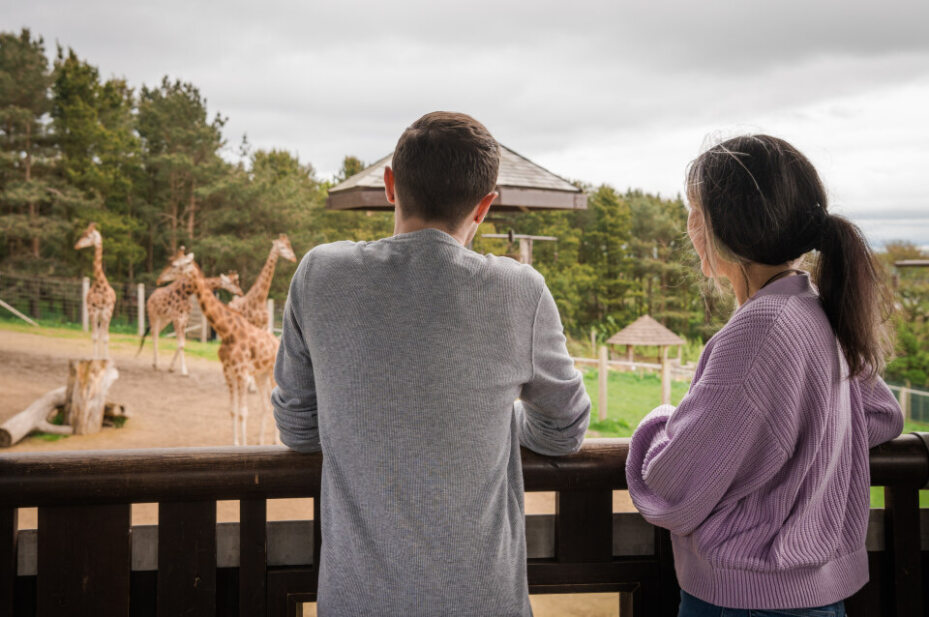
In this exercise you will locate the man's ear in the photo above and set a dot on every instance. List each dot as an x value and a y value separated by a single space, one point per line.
389 185
484 206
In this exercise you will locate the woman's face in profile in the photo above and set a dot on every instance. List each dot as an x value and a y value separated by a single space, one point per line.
697 233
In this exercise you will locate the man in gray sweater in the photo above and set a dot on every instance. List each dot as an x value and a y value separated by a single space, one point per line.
402 360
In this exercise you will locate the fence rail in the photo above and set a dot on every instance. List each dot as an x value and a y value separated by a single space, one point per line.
914 402
85 558
62 300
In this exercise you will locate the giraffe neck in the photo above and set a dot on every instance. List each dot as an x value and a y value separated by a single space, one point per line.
217 314
262 285
99 276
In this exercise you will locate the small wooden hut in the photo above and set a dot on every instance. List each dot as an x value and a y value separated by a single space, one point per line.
647 331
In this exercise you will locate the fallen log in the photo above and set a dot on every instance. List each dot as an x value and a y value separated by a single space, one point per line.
33 417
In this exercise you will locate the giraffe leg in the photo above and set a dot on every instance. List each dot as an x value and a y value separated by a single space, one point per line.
243 406
156 328
105 343
261 383
181 343
95 334
233 394
179 337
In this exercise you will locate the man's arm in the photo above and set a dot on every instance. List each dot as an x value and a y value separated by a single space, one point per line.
294 398
554 409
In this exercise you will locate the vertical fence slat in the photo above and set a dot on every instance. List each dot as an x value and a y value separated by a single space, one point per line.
584 526
253 557
8 521
186 558
669 592
902 541
83 561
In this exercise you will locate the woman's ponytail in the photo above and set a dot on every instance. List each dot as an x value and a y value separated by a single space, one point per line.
853 295
764 203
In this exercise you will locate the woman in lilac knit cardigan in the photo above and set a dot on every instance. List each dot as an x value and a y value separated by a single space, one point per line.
761 473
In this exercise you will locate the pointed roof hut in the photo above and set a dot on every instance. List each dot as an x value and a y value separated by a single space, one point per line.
522 185
645 331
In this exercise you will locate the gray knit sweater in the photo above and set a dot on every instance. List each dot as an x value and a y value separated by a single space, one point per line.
401 359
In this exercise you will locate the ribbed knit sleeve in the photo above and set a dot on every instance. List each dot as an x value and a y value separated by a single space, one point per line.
294 398
882 412
554 409
683 461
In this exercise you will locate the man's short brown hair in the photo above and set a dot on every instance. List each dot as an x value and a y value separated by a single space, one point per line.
444 164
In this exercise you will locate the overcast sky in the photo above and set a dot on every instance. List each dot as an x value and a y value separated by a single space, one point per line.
613 91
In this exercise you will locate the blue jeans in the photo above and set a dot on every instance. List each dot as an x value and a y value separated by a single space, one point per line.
695 607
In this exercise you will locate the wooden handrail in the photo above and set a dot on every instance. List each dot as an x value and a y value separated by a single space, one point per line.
270 472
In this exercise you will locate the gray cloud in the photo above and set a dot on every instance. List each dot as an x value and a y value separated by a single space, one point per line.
619 92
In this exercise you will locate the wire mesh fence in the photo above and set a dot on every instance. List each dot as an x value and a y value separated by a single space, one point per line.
914 402
59 300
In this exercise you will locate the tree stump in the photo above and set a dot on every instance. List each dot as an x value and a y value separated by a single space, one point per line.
88 383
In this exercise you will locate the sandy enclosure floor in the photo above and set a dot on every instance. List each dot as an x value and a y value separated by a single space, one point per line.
173 411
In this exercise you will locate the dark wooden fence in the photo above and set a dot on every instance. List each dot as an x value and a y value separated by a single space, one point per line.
86 558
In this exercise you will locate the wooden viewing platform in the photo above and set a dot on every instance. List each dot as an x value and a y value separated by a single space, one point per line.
86 558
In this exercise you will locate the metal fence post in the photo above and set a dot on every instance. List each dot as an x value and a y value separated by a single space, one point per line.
85 288
140 291
271 315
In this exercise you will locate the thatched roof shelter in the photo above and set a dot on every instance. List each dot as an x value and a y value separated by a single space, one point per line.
645 331
523 186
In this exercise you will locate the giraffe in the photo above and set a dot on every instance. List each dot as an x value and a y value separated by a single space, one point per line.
245 349
101 299
253 304
172 304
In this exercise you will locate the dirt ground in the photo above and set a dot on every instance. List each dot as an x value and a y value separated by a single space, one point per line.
168 410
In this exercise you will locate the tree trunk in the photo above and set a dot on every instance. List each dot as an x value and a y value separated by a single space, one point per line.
35 416
191 212
88 383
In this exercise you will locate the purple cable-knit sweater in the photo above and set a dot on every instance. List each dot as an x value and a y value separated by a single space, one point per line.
761 473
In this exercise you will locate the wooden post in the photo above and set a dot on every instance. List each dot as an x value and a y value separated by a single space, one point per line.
630 353
271 315
88 383
905 400
525 250
665 376
85 289
602 377
140 294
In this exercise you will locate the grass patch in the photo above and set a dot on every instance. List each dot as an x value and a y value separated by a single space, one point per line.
121 341
629 398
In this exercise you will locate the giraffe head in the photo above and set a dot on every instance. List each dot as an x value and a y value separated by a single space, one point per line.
90 237
283 248
181 266
230 282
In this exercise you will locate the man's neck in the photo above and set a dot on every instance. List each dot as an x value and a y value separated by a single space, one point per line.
404 225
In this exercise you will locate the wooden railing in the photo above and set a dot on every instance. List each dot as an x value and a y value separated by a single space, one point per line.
85 558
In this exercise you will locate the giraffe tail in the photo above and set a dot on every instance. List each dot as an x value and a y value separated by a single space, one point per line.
142 342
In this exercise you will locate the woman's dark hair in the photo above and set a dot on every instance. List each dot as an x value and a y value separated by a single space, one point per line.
763 202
